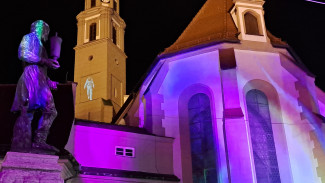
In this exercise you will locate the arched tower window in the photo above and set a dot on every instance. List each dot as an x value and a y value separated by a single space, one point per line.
251 24
265 158
114 35
92 32
92 3
114 5
201 138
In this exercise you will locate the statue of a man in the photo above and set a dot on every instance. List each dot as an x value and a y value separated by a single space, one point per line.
33 91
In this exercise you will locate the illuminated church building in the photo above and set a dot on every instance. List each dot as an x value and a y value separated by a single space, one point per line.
227 102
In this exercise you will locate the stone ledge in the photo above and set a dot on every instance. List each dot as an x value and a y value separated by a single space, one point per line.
27 167
31 161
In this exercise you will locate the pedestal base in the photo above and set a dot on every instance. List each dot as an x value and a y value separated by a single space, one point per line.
32 168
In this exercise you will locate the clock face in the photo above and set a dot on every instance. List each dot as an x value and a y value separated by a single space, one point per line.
105 1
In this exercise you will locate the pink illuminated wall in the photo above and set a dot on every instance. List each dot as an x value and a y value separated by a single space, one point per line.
95 147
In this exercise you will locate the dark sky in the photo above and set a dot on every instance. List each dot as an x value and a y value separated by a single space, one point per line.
153 25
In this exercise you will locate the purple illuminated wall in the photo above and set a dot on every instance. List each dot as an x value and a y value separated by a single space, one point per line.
181 77
95 147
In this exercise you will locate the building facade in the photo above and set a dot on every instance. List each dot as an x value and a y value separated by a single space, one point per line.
238 102
227 102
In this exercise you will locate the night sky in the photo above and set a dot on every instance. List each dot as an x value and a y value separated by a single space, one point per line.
153 25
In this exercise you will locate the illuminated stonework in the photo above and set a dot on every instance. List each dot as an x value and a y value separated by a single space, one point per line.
95 57
274 136
227 102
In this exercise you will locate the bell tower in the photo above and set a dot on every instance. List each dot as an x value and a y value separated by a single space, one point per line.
100 61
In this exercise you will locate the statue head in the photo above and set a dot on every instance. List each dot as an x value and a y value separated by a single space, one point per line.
41 29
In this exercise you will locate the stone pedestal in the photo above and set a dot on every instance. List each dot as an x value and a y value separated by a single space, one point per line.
32 168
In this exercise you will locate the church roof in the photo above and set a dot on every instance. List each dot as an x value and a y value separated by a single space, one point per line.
213 23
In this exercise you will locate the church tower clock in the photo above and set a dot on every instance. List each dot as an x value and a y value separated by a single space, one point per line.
100 61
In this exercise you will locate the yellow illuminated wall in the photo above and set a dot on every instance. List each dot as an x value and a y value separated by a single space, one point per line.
100 60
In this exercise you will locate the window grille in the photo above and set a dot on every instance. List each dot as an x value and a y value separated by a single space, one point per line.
124 151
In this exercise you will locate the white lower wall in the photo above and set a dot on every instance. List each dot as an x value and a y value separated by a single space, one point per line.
95 147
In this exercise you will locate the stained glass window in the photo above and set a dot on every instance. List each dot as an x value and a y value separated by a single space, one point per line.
265 159
202 140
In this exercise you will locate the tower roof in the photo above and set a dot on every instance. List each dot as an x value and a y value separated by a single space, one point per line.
212 23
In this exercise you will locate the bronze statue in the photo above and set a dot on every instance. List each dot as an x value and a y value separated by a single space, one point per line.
33 91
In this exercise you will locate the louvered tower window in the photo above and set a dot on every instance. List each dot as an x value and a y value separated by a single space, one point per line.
92 32
251 24
93 3
114 5
114 35
202 139
265 159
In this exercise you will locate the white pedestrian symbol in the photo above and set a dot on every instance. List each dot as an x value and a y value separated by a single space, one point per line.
90 85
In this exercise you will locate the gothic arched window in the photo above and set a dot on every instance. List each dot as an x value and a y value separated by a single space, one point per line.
92 32
251 24
265 158
202 139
